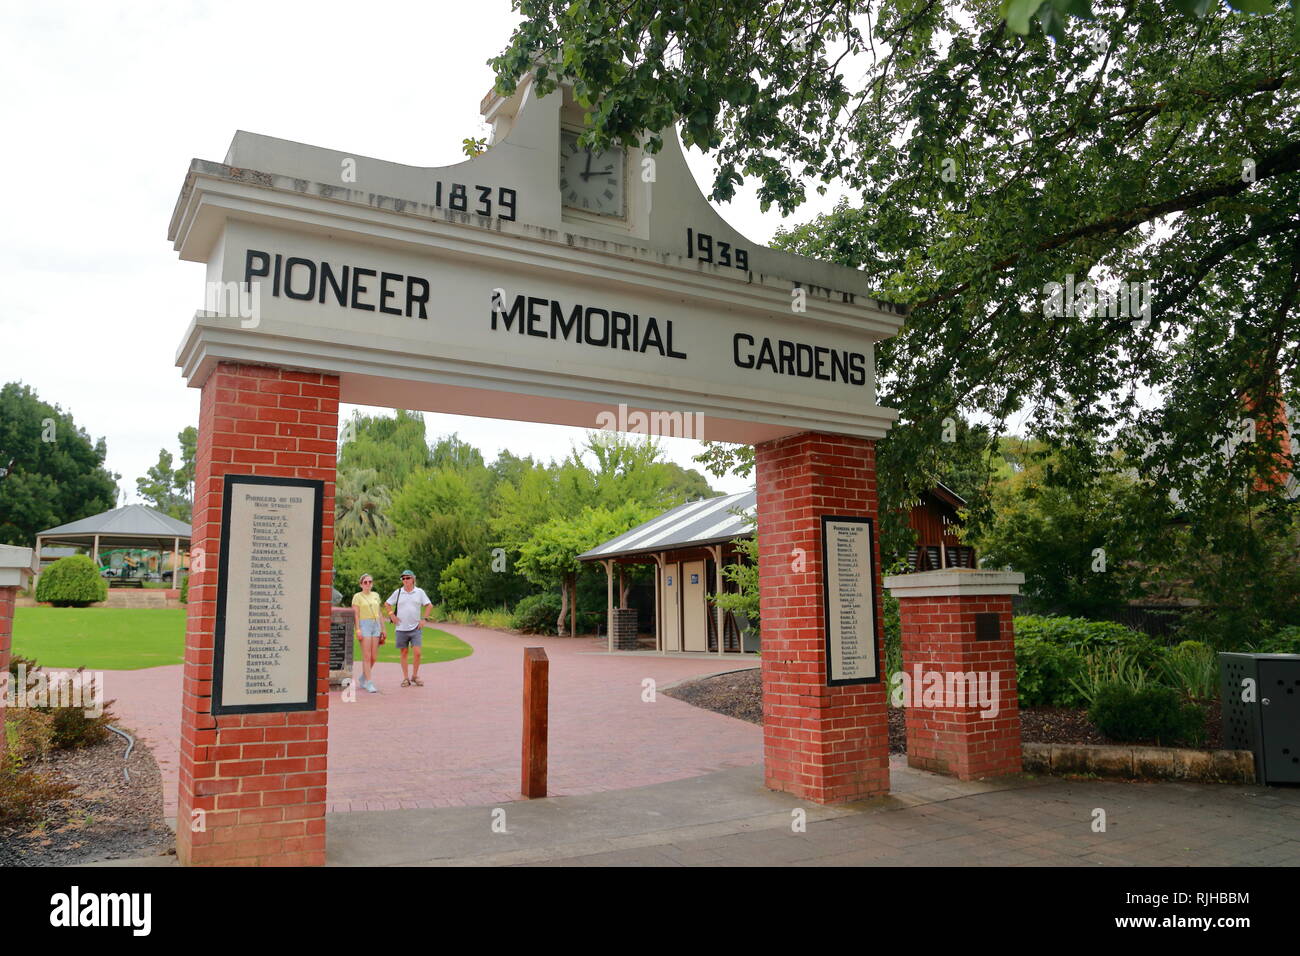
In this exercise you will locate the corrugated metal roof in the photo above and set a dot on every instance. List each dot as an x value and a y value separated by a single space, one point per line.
707 521
132 520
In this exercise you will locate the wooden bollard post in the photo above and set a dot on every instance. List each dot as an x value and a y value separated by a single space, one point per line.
536 694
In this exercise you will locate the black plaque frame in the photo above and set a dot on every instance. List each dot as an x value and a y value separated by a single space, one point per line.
219 631
876 621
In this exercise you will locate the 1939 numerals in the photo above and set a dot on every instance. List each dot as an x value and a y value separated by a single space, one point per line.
702 246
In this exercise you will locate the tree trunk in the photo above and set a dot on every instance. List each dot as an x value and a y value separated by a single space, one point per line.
564 607
573 606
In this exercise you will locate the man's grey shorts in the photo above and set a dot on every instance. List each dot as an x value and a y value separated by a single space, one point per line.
410 638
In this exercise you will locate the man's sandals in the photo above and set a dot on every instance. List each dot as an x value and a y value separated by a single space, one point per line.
408 681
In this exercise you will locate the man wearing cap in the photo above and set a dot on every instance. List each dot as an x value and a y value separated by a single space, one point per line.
406 609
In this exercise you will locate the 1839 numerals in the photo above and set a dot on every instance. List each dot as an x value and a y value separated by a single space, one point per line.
482 203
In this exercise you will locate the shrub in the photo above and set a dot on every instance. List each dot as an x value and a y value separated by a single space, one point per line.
1104 668
29 734
24 794
502 620
72 728
1285 641
73 581
1153 713
68 727
1088 636
1046 672
537 613
1193 668
185 589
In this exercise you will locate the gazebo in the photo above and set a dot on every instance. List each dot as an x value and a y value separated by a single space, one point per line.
131 526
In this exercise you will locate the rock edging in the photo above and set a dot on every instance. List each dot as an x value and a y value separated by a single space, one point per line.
1152 763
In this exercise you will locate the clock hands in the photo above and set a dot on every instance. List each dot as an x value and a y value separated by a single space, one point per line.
589 172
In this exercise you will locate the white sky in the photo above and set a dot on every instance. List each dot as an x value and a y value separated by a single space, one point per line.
104 106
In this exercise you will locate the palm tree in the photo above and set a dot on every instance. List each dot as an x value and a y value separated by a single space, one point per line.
360 506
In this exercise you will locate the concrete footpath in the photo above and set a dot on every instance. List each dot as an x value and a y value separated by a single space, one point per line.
728 818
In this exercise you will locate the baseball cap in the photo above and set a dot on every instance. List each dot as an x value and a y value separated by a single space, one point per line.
408 574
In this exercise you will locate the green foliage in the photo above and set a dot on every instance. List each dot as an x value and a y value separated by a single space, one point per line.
1285 641
1051 14
1077 632
391 446
1110 667
73 581
1134 715
171 489
991 165
1193 669
537 613
1074 540
360 506
501 620
893 635
383 558
743 573
1046 673
50 471
185 589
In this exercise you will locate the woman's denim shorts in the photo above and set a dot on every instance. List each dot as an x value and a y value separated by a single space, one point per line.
371 628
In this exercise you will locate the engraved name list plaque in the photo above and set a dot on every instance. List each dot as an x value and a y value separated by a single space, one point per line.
849 600
268 596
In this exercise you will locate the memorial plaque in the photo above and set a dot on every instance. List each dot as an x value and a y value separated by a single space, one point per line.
268 596
849 600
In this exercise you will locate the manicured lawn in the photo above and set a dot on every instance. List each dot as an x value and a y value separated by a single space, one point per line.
438 646
100 638
115 638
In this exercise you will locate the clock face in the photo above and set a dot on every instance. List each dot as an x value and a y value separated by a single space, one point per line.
591 181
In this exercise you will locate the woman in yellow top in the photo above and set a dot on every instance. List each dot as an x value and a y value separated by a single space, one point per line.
370 628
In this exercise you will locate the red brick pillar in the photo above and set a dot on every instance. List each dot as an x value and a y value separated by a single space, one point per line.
826 744
258 778
959 658
8 596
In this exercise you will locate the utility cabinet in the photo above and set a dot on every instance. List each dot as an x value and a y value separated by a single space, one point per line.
1260 695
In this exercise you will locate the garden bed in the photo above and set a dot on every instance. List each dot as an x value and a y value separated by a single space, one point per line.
105 818
740 695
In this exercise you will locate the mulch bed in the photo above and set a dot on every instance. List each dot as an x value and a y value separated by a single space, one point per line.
740 695
105 818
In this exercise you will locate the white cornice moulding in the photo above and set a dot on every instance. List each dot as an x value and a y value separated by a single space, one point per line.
954 582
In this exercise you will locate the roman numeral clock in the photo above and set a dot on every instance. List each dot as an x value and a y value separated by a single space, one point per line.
592 181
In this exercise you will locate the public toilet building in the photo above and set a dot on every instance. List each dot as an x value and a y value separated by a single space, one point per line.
688 546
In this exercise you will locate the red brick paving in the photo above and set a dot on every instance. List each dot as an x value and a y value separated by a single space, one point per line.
455 741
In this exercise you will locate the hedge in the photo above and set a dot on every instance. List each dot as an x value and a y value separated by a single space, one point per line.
73 581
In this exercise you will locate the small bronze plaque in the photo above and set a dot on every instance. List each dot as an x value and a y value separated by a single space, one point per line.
987 628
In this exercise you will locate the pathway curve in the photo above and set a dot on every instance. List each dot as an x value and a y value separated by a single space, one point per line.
456 741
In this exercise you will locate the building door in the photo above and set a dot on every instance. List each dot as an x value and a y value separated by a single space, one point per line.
672 607
695 634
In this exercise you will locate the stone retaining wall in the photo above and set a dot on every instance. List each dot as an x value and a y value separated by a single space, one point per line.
1149 763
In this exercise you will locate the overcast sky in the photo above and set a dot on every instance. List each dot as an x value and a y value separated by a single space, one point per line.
104 106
